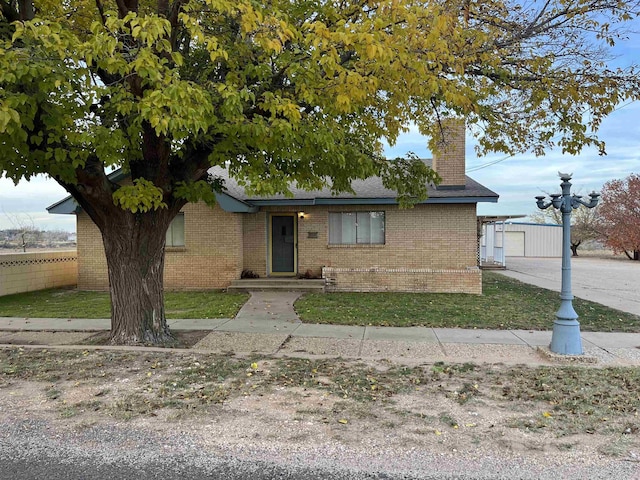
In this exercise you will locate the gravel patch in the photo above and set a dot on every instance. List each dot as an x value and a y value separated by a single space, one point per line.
589 356
222 342
45 338
393 349
491 353
337 347
5 336
632 354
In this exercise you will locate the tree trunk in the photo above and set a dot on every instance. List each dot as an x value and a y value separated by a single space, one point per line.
134 247
574 248
27 10
636 254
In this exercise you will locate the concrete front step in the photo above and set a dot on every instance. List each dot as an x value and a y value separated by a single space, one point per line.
277 284
492 266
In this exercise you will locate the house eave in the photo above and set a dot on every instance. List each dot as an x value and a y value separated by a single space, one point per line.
233 205
462 200
283 202
364 201
68 206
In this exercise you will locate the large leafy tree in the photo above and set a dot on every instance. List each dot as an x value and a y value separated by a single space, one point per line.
620 215
279 91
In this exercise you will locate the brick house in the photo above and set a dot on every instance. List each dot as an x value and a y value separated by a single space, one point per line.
356 242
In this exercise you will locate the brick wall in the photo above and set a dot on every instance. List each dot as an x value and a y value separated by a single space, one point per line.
212 256
449 160
210 259
26 272
427 248
255 242
403 280
92 265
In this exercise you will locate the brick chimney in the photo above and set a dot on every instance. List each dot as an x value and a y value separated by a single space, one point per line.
449 160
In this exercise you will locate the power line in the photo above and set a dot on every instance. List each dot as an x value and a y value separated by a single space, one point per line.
494 162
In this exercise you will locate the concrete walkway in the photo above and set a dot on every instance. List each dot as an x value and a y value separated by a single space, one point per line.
608 281
268 324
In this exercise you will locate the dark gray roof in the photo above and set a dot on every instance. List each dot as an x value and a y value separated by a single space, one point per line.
367 191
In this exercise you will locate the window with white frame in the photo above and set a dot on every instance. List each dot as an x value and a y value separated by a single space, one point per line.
175 232
351 228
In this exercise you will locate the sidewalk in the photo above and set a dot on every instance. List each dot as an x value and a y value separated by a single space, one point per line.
268 324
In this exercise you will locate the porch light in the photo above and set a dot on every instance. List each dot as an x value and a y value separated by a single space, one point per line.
301 215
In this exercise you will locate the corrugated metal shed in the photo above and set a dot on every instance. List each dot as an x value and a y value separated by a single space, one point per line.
500 240
532 239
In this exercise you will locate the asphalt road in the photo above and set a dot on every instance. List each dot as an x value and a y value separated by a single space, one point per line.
32 449
16 463
610 282
54 469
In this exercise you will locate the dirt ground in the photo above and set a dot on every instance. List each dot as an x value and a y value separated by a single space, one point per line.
295 406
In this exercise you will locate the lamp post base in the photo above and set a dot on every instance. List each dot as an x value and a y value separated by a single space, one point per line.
565 339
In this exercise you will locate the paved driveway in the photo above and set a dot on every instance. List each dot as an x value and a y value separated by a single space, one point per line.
611 282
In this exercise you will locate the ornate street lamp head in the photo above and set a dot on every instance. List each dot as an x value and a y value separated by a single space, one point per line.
595 198
540 202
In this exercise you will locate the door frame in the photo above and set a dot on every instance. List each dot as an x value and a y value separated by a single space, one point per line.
270 271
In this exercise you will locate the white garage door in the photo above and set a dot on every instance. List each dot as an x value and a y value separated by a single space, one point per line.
514 244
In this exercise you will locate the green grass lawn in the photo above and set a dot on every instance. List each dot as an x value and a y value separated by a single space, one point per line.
69 303
505 304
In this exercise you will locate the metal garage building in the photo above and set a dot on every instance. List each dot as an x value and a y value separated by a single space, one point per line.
519 239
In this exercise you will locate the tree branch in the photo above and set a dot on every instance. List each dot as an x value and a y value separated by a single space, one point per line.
8 11
163 8
100 7
175 25
126 6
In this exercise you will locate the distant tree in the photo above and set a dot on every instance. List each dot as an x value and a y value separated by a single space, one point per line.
30 236
620 215
24 228
584 224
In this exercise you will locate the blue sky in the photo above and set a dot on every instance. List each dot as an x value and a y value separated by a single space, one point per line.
516 179
520 178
